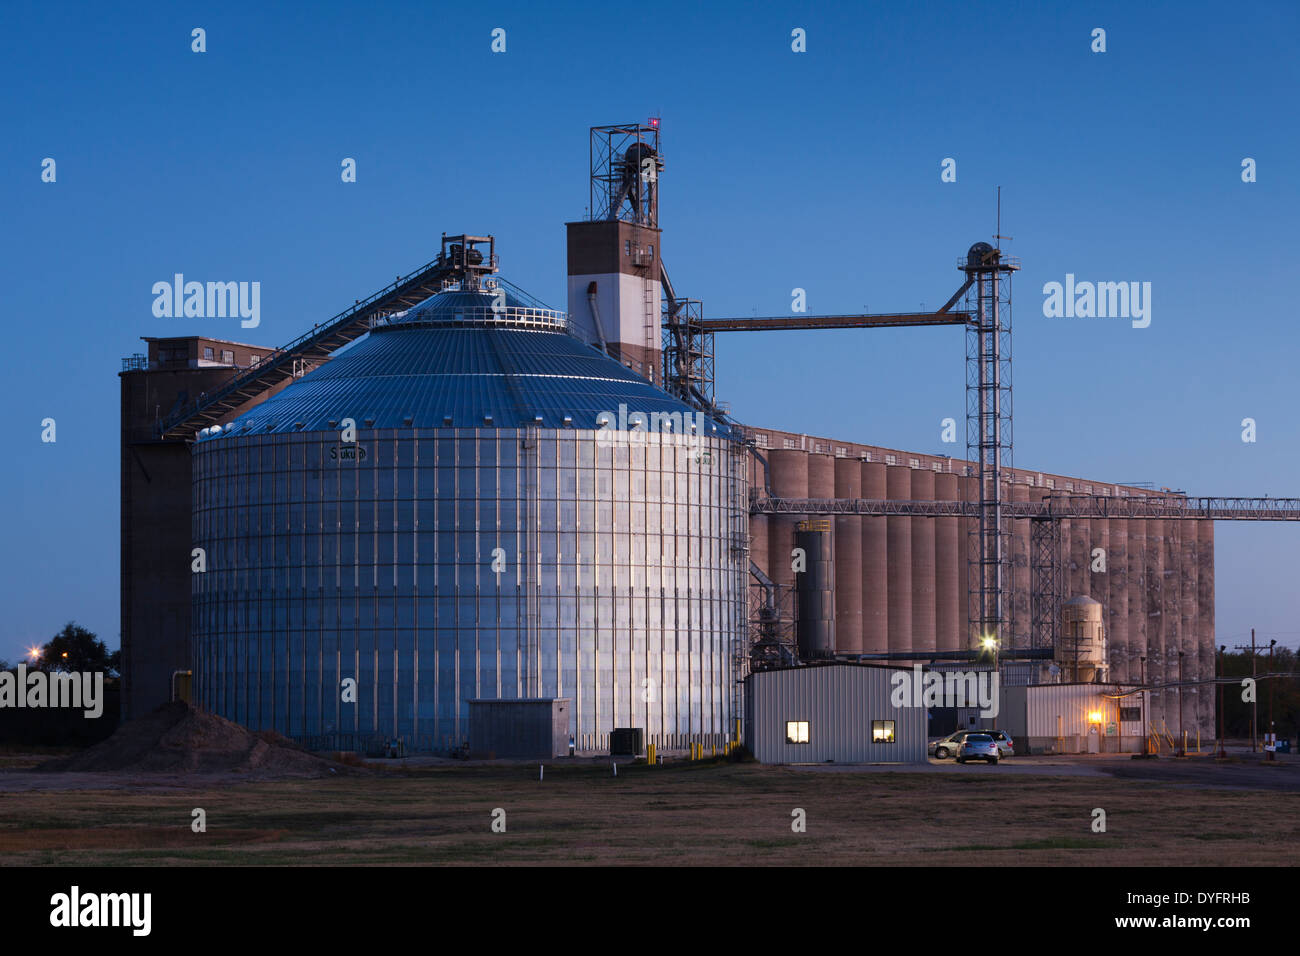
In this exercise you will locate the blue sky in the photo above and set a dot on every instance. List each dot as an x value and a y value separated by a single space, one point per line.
817 170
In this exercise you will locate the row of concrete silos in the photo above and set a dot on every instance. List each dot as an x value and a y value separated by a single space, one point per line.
900 583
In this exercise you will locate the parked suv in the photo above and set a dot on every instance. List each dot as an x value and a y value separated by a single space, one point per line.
949 745
978 747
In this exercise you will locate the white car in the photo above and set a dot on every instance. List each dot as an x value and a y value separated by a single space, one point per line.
948 746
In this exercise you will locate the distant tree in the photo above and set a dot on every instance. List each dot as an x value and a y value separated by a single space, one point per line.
76 649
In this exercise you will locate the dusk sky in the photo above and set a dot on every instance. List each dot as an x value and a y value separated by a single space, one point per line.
818 170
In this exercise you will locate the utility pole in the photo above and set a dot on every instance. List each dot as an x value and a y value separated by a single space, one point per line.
1272 728
1254 704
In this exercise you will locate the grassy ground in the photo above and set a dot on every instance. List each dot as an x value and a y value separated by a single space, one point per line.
705 813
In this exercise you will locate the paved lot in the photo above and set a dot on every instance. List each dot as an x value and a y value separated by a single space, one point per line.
1236 773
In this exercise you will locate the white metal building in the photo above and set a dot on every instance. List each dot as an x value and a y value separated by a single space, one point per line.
831 712
1076 718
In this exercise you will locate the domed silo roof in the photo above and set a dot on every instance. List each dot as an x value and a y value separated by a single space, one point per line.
472 358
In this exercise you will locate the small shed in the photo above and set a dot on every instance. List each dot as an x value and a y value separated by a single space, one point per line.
837 712
520 728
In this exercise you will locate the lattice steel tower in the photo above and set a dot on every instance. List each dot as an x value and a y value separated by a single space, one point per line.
988 435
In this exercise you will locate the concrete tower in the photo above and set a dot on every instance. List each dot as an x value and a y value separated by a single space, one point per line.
614 256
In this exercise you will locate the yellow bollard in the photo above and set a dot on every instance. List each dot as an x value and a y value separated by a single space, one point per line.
650 754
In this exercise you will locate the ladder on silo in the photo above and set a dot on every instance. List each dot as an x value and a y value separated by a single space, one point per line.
650 319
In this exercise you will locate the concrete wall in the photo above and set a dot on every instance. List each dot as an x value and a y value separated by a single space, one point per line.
907 592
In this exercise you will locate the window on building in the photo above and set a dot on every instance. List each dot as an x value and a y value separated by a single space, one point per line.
1133 714
882 731
650 250
841 452
1050 482
796 731
760 440
627 247
254 359
207 352
913 463
791 443
1069 486
228 356
889 460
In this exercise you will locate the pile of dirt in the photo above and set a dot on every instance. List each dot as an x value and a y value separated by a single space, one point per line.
178 738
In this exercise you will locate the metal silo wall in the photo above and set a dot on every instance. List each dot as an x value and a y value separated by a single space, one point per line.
875 563
848 560
923 566
1117 603
380 568
949 569
899 530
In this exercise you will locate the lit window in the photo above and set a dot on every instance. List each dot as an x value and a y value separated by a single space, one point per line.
796 731
882 731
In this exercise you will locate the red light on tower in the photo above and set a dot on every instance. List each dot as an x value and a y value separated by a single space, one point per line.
654 122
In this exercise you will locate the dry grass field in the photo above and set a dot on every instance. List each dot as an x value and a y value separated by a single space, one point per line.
707 813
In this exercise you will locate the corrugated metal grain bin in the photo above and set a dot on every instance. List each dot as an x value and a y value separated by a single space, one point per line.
534 728
839 712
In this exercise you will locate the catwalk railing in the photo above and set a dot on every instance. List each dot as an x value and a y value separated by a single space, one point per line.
1069 506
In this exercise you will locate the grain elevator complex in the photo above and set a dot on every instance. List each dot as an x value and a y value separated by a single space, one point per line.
451 492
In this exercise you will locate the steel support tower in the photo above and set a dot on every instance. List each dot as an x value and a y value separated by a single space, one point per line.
988 434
